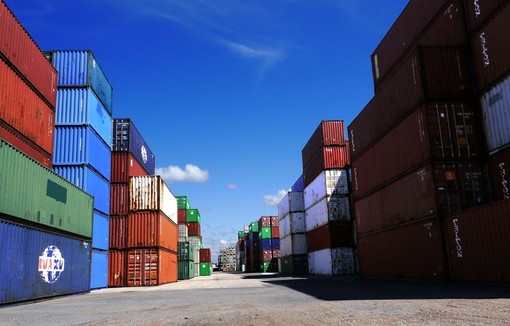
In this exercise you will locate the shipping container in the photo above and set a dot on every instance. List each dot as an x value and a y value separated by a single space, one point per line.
428 74
264 221
205 269
78 145
490 49
183 230
41 264
275 231
124 165
181 215
499 169
329 132
265 233
99 269
119 199
478 242
117 268
186 269
193 228
477 12
275 243
434 131
185 251
18 47
329 183
151 266
193 215
79 68
496 115
151 193
100 231
320 263
293 265
413 251
265 243
127 138
269 266
183 202
21 105
292 223
274 220
298 185
30 191
294 244
118 232
24 144
428 23
333 208
151 229
293 201
205 255
80 106
254 227
330 235
84 177
329 157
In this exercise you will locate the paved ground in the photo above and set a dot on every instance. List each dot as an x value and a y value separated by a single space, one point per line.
269 299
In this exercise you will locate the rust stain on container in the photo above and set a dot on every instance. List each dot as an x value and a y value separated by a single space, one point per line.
151 266
117 268
151 229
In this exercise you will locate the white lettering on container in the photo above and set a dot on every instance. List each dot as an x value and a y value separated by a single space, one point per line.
504 181
456 231
483 42
352 141
476 5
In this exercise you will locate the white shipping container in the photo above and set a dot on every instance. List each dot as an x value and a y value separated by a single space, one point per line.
183 230
319 262
496 115
294 244
292 223
328 183
151 193
343 261
292 202
328 209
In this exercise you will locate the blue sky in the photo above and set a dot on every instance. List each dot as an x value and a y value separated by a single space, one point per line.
226 93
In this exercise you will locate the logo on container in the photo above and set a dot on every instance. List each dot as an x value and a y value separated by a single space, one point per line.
51 264
144 154
485 55
456 231
504 181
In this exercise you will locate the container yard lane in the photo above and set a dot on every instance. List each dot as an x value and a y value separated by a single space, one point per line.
271 299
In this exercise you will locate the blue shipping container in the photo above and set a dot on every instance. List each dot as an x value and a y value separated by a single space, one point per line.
100 231
39 264
80 68
80 106
299 185
265 244
90 181
82 145
126 138
275 242
99 270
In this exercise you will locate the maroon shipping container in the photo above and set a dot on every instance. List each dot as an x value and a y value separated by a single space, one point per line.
119 195
435 131
24 144
421 23
428 74
264 221
193 228
275 231
151 229
151 266
274 221
267 255
499 170
490 49
432 190
18 47
117 268
477 12
413 251
24 110
125 165
478 242
331 235
118 235
205 255
329 132
181 215
329 157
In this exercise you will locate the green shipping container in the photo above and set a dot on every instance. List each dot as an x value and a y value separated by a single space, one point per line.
192 215
240 234
265 233
183 202
32 192
205 269
269 266
185 251
185 269
254 227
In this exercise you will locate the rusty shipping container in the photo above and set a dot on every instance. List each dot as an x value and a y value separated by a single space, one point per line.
327 158
23 110
117 268
432 190
491 49
205 255
496 115
119 199
292 223
328 133
421 23
428 74
477 12
18 47
151 193
499 169
151 229
118 232
407 251
151 266
332 261
434 131
125 165
478 242
331 235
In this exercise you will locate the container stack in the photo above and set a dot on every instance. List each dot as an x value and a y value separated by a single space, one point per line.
240 252
327 201
227 258
205 262
192 222
269 237
186 264
252 248
83 140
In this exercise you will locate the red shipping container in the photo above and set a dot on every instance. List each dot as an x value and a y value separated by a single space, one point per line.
151 266
427 75
125 165
275 231
490 49
274 221
18 47
264 221
205 255
181 215
119 195
24 144
408 251
329 132
277 253
499 170
330 235
24 111
266 255
151 229
478 242
193 228
477 12
117 268
118 232
329 157
435 131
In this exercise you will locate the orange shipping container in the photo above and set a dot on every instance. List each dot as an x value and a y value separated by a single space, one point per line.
125 165
151 229
119 204
117 268
151 266
118 232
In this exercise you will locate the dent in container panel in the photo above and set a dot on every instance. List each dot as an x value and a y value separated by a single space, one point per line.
496 115
127 138
329 132
500 174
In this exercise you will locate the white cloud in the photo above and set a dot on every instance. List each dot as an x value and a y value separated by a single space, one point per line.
190 173
273 200
252 52
232 186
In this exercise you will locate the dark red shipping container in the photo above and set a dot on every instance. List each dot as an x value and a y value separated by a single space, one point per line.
181 215
24 111
205 255
151 266
274 221
413 251
329 157
117 268
125 165
264 221
275 231
118 232
432 190
421 23
24 144
428 74
331 235
18 47
477 12
119 195
329 132
491 48
478 243
435 131
267 255
499 170
193 228
151 229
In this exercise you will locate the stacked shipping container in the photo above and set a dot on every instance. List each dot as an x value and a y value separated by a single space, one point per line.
269 237
186 262
205 262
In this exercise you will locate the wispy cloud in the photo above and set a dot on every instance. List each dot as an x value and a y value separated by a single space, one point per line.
190 173
232 186
273 200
